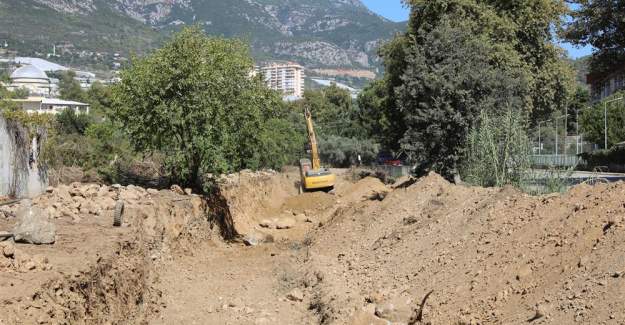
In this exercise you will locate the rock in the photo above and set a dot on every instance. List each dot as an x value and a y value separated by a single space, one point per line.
62 193
266 223
394 312
152 191
583 261
295 295
366 318
301 218
129 195
49 189
385 310
103 191
285 223
257 238
177 189
34 227
30 265
524 272
262 321
106 203
188 191
539 313
8 249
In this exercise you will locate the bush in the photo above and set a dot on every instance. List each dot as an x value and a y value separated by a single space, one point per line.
498 151
71 123
606 158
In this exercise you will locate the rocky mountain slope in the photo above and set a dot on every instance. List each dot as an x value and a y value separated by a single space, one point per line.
317 33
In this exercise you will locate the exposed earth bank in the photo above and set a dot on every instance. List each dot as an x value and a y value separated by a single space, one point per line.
417 252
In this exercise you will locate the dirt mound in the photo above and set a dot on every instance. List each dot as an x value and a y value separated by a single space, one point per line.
309 202
490 256
362 190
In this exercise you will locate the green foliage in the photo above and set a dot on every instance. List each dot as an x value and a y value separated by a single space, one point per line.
460 57
97 148
71 123
99 97
343 152
498 151
341 137
616 155
193 100
21 93
592 122
599 23
332 109
282 142
69 88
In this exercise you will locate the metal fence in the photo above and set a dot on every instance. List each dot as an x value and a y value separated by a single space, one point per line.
556 160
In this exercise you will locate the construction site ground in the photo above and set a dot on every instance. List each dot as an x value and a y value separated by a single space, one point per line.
256 252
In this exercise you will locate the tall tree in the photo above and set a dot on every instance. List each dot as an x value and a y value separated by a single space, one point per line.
459 57
194 101
601 24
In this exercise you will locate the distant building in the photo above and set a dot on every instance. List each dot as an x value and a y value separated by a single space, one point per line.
353 92
602 86
285 77
32 79
43 105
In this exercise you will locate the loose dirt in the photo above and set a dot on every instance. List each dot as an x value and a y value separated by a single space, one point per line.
428 252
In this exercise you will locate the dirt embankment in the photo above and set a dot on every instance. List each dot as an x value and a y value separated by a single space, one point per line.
95 273
427 252
489 256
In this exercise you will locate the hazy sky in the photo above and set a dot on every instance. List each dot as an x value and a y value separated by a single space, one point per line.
394 10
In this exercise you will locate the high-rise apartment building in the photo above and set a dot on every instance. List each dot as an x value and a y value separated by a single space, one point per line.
285 77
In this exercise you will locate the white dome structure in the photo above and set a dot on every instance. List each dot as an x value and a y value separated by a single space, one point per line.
32 79
29 72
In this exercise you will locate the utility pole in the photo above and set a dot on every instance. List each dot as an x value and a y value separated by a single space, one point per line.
566 125
605 120
540 144
556 120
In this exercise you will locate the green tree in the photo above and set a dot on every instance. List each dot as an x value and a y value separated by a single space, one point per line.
100 99
194 101
457 58
332 109
600 23
69 88
592 122
68 122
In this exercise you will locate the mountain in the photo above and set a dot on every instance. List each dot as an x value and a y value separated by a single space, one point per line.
316 33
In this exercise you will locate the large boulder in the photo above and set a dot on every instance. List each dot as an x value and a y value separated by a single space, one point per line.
34 226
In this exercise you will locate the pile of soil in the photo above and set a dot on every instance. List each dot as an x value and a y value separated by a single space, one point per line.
489 256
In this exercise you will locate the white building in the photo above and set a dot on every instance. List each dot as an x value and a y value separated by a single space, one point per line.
32 79
43 105
285 77
603 86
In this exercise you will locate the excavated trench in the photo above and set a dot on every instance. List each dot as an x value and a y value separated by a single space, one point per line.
428 252
120 280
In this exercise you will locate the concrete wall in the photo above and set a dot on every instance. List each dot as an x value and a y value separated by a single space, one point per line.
21 174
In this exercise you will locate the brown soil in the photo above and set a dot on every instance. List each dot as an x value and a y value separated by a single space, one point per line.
368 255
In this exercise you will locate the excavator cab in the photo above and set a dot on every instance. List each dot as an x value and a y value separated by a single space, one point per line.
321 179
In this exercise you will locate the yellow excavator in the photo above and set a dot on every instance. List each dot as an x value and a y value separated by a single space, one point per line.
314 177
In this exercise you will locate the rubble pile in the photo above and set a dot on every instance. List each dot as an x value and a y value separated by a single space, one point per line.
14 259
